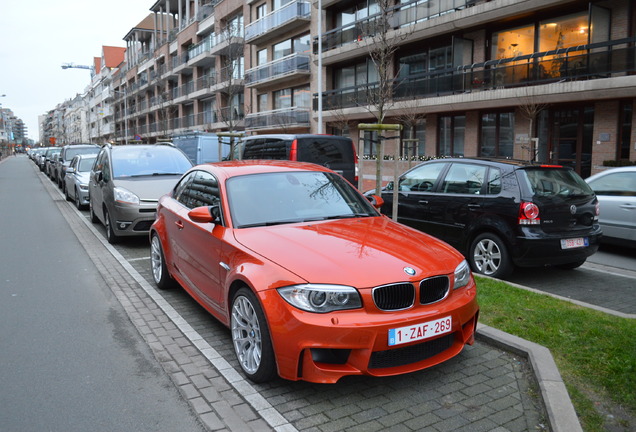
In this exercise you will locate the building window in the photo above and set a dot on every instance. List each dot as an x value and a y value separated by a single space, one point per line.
625 129
414 149
497 135
370 141
261 57
261 10
451 135
292 97
355 75
299 44
283 99
262 102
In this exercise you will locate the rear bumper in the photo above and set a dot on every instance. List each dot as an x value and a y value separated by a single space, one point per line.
535 251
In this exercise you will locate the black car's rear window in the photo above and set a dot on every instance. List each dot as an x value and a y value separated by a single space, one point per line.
556 182
277 149
324 151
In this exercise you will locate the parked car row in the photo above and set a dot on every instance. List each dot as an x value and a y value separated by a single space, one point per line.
313 279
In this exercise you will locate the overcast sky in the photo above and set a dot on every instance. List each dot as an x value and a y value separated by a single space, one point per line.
38 36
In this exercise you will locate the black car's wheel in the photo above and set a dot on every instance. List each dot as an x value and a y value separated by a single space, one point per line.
250 337
91 211
158 264
489 256
110 231
572 265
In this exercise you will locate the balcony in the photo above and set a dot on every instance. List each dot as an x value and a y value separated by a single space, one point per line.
402 15
199 54
228 44
283 20
281 118
284 68
575 64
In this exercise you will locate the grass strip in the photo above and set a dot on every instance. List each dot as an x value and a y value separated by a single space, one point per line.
595 352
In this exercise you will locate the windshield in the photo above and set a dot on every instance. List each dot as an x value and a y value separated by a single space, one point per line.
85 164
72 152
548 182
143 161
288 197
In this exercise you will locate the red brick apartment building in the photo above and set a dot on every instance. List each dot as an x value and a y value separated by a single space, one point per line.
549 80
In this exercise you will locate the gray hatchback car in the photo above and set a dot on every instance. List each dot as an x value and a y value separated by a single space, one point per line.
126 183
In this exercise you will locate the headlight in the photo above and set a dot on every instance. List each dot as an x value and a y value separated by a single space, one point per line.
462 275
321 298
83 186
125 196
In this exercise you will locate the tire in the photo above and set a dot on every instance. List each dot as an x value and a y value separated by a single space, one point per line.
572 265
250 337
91 211
488 255
66 195
110 232
78 203
160 273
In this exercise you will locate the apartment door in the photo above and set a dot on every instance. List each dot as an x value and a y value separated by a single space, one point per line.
568 140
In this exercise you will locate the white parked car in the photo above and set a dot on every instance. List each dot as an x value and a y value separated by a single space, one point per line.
76 179
616 192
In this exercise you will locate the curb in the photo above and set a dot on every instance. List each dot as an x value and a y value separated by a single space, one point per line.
556 399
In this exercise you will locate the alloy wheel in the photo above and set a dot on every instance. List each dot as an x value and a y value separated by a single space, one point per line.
246 334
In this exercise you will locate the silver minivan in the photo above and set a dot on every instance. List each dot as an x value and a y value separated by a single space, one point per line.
126 183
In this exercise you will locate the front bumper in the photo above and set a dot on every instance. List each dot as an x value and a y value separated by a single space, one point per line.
323 348
133 220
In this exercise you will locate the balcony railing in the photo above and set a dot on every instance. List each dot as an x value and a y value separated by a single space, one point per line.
294 116
278 68
584 62
401 15
291 11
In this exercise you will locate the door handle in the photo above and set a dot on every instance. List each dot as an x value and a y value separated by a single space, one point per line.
422 202
179 224
473 206
628 206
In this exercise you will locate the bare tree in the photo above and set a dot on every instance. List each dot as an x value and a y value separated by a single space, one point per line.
382 42
530 108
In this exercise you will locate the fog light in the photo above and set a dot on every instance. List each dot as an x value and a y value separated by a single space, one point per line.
123 225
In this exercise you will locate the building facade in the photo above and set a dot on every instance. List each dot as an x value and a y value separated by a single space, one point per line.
547 80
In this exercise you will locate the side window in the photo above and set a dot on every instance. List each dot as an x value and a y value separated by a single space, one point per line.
198 189
494 181
106 168
179 190
73 163
204 190
617 184
422 178
99 162
464 179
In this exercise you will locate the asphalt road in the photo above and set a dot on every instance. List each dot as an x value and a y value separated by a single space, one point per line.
71 358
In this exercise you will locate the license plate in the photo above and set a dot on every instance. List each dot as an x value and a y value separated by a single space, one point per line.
422 331
574 243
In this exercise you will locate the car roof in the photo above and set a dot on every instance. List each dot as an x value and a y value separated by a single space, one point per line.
294 136
244 167
518 163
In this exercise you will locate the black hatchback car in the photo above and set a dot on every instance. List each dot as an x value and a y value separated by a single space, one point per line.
501 213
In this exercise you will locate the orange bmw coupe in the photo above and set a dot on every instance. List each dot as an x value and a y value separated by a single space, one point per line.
313 282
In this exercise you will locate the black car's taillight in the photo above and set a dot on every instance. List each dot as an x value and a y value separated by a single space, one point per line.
529 214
